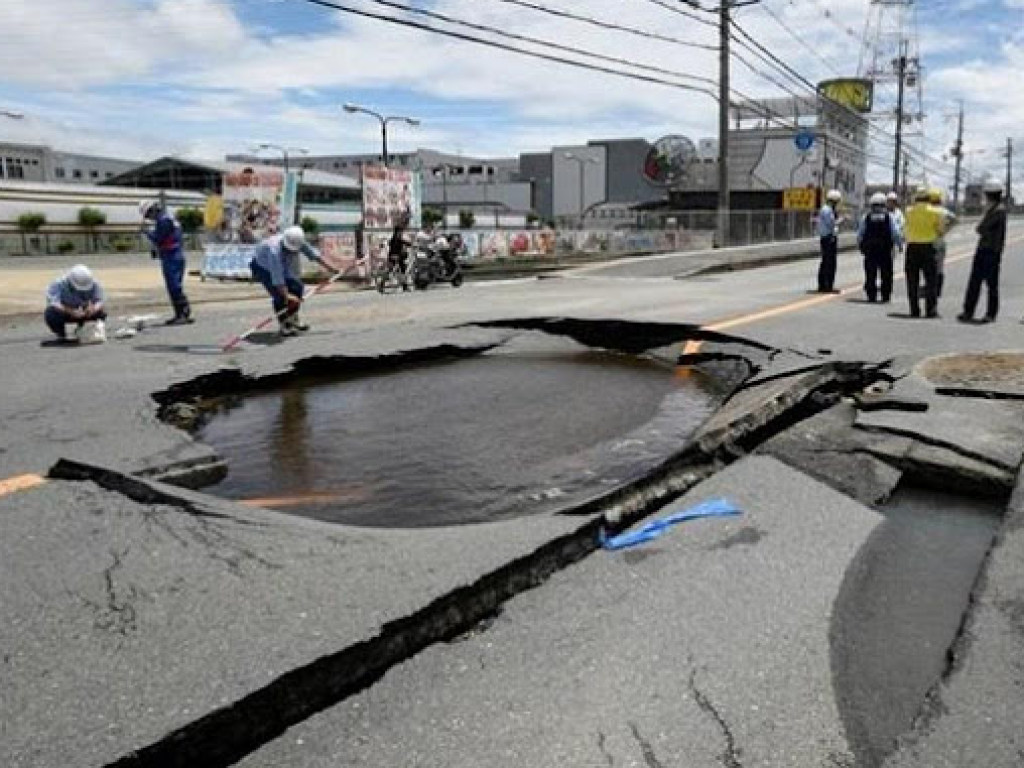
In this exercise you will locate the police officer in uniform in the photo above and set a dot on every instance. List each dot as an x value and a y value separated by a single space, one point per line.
877 237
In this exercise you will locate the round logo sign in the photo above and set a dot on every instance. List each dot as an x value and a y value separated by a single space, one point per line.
804 140
668 160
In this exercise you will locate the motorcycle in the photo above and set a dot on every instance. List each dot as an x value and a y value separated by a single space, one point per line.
437 260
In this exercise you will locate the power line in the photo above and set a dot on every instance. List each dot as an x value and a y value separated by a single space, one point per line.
538 41
409 23
681 12
766 54
646 34
792 33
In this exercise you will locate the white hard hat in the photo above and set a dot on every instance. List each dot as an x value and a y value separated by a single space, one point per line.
146 207
81 278
834 194
878 198
293 238
892 196
441 242
993 187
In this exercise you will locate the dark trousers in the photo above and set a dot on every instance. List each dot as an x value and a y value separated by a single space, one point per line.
827 268
57 319
984 271
294 286
878 264
921 261
174 276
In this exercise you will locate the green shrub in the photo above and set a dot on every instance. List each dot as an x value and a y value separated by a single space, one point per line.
467 219
191 220
310 226
432 217
31 222
90 218
65 246
124 244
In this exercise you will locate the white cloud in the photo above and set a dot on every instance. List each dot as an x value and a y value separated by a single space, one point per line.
228 82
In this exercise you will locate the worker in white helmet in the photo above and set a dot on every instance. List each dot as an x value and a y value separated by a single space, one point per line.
167 242
987 255
877 237
271 266
828 233
76 298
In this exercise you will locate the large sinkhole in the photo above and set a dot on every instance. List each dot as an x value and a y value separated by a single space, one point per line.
516 431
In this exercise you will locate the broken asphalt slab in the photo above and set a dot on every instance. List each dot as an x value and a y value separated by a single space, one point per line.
714 645
973 715
965 439
123 621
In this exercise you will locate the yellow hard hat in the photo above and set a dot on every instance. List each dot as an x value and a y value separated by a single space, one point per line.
922 195
935 196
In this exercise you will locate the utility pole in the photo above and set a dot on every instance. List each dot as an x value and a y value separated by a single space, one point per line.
1009 171
901 77
906 174
723 123
958 153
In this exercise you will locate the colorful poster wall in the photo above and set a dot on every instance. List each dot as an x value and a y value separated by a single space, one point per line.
389 195
252 205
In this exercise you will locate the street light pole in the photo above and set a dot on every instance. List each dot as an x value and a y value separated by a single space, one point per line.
384 120
723 123
581 161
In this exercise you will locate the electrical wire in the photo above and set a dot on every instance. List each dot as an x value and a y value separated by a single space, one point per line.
409 23
538 41
603 24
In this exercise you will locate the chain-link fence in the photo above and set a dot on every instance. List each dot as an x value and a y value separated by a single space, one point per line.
744 227
56 240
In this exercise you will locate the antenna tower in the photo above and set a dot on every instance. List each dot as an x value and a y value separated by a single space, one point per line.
891 52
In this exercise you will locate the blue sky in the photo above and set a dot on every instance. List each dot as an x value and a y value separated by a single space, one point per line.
204 77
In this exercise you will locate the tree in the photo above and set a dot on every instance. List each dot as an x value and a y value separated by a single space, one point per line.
467 219
30 223
432 217
191 220
310 226
91 219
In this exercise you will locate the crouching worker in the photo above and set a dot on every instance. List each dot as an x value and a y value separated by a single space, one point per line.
76 298
270 267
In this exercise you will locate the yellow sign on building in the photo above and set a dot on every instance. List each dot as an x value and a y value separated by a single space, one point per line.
800 199
851 92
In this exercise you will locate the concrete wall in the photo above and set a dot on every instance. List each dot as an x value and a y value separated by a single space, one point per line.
625 180
566 179
537 169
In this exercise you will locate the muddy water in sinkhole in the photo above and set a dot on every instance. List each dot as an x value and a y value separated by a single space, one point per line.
497 436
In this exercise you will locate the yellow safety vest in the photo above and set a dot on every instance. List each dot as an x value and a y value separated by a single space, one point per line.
925 224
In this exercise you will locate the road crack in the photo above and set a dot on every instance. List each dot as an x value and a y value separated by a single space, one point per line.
730 756
645 748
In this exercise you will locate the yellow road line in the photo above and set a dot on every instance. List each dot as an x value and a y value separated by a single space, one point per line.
692 347
20 483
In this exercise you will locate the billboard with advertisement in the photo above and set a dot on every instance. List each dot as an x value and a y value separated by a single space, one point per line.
338 250
256 204
852 92
389 195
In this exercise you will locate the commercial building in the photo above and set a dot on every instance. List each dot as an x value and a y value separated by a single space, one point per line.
40 163
779 144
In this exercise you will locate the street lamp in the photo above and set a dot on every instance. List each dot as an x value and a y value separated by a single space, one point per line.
283 150
384 120
581 160
444 169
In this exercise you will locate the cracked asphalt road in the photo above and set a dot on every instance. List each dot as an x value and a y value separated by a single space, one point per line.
598 662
